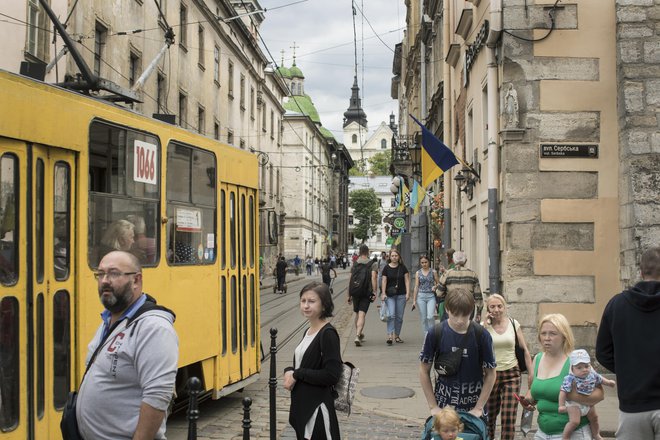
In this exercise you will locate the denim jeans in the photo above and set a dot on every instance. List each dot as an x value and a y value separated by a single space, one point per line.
426 306
396 305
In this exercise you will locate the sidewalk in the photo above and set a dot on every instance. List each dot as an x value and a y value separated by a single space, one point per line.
389 382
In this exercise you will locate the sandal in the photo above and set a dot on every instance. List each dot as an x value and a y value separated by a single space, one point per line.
398 340
389 341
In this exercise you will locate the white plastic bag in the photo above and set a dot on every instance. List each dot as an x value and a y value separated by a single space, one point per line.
384 311
526 421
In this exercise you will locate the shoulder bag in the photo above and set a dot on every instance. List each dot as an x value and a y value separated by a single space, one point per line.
520 352
448 364
344 390
392 290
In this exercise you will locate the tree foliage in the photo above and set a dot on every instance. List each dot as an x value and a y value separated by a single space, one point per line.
366 211
379 163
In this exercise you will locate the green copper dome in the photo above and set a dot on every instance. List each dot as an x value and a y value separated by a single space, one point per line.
327 133
303 104
296 72
284 72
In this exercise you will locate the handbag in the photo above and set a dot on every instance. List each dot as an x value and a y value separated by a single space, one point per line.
69 423
345 388
392 290
520 352
447 364
384 311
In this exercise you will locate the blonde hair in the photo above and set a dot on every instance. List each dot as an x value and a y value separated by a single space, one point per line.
563 327
117 230
447 417
495 296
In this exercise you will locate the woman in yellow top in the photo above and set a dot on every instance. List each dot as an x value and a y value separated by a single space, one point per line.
507 379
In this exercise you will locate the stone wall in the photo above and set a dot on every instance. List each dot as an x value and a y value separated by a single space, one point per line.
638 75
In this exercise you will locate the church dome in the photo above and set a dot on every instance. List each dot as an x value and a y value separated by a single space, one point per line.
303 104
296 72
284 72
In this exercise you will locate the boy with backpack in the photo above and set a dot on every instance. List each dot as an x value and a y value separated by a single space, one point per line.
362 289
463 381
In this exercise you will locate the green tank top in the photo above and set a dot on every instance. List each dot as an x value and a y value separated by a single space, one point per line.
546 394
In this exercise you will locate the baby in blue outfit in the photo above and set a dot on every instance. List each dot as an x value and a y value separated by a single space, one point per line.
584 379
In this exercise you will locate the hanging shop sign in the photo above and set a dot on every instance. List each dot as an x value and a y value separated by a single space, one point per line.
580 151
473 50
398 223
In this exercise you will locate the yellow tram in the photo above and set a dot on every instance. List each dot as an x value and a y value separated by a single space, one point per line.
74 169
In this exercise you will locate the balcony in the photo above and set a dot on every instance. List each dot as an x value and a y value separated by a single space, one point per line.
464 23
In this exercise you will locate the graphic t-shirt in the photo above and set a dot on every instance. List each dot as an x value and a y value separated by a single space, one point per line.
461 390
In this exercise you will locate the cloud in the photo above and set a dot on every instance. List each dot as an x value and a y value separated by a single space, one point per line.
323 34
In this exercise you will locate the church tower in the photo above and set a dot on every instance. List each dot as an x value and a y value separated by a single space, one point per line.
356 130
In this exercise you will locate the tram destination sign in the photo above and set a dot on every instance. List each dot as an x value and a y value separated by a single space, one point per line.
584 151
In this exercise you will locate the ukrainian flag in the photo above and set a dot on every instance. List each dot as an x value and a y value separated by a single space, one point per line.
436 156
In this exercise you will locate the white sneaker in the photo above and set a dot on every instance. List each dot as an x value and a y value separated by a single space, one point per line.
358 343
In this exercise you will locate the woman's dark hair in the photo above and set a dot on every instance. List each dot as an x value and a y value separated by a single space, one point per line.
323 291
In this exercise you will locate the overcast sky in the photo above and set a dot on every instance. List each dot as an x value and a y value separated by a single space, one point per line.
323 33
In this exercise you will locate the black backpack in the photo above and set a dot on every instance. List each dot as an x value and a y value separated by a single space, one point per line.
360 279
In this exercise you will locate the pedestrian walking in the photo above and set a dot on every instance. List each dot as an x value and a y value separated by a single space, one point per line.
465 386
426 279
381 265
326 268
280 273
627 344
317 367
462 277
550 367
362 290
396 292
505 332
309 263
131 360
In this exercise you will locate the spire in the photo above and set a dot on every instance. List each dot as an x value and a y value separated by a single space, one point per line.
355 112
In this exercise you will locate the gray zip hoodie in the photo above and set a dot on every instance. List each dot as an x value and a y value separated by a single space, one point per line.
137 363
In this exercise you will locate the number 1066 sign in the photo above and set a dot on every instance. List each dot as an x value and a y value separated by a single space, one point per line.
145 166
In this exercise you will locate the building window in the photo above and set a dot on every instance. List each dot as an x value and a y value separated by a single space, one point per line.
200 49
216 130
183 25
242 92
160 92
272 124
252 103
133 68
201 116
230 137
216 65
263 118
230 79
350 219
37 38
383 144
354 139
100 34
183 105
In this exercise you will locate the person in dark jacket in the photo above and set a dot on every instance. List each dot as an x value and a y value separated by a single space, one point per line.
317 367
280 271
628 344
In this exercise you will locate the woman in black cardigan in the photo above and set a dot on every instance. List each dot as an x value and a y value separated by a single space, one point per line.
317 368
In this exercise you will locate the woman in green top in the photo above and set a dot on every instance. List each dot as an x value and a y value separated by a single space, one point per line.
550 367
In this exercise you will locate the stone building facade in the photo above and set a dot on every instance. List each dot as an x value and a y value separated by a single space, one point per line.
555 109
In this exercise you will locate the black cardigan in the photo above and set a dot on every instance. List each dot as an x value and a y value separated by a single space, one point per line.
319 370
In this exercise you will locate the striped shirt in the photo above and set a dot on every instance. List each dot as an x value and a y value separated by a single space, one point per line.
462 277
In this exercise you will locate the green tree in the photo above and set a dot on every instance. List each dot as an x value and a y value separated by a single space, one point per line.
358 168
366 210
379 163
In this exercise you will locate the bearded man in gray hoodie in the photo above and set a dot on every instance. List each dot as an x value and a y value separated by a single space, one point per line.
132 359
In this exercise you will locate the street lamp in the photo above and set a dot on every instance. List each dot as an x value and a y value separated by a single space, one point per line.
466 179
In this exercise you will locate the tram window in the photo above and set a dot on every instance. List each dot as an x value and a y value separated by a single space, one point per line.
124 188
232 229
8 219
252 227
253 312
9 363
191 205
243 235
41 364
62 216
39 221
244 310
223 318
234 315
223 229
61 348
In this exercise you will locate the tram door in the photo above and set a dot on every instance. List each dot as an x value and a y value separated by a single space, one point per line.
52 294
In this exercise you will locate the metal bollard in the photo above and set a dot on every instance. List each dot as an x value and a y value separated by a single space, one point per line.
247 402
272 383
194 387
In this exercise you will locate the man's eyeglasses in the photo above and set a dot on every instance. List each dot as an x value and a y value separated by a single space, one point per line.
112 275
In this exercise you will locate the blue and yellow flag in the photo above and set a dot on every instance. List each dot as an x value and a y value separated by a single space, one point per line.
417 195
404 197
436 156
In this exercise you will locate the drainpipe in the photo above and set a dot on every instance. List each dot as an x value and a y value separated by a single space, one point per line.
493 156
446 125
